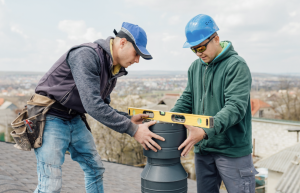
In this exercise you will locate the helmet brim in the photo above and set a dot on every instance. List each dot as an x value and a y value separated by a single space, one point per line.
192 44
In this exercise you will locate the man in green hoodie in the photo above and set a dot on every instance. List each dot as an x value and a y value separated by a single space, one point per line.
219 84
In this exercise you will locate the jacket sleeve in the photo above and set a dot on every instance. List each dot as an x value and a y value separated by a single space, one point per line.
184 103
120 112
237 87
85 68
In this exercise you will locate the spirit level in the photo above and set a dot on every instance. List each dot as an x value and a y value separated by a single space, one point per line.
172 117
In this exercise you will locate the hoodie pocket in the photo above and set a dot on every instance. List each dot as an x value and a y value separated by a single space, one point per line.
220 141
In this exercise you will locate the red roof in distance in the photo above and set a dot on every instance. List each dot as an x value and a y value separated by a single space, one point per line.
256 104
1 101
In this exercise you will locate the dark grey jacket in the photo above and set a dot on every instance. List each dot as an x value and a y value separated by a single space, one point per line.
82 80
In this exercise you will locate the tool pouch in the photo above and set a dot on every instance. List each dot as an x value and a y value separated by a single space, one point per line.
28 127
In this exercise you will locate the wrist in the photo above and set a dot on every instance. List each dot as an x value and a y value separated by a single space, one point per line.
132 129
205 136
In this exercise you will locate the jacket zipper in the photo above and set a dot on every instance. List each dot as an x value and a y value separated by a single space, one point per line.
107 90
63 99
204 89
203 103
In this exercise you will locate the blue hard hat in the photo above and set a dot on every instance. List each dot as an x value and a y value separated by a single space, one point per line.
199 29
137 36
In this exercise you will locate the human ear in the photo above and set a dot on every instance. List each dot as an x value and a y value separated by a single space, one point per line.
123 42
217 39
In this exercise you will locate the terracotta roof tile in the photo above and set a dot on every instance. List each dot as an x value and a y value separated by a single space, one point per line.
1 101
256 104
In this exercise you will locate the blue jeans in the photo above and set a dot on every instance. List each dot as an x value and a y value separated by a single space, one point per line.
238 174
62 135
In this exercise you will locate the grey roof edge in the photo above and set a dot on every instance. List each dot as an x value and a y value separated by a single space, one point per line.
276 121
277 162
290 180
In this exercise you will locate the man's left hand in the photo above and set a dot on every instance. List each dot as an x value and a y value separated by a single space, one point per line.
138 119
196 134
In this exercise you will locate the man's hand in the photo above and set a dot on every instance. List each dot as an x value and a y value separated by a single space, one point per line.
196 134
144 136
138 119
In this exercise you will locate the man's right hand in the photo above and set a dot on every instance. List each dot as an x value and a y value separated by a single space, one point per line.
144 136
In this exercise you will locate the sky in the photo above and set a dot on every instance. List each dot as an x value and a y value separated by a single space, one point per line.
35 33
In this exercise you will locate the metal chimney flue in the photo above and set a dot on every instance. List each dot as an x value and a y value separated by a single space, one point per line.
164 172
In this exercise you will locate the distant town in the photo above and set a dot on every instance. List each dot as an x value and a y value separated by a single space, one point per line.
138 83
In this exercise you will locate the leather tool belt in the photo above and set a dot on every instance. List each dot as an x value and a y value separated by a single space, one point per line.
28 127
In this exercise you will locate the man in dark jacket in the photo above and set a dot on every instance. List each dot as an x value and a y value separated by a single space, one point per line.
219 84
81 82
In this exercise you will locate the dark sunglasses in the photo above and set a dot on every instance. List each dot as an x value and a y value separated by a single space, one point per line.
202 48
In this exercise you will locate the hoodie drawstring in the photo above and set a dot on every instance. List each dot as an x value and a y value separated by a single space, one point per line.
212 80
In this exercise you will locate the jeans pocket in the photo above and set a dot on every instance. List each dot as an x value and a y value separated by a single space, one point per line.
248 180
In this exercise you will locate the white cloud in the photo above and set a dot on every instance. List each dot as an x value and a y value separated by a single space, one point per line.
77 30
16 29
254 27
234 19
77 33
203 6
291 28
91 34
167 37
62 46
174 20
249 5
144 2
2 14
34 52
174 53
74 29
293 14
226 21
163 15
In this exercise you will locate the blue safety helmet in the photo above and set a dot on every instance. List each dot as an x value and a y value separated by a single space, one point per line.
137 36
199 29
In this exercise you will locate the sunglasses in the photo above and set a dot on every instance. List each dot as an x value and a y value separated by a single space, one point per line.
202 48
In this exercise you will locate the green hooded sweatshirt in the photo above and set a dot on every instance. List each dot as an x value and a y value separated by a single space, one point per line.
221 89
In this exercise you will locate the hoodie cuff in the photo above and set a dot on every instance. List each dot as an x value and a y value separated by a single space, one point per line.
211 132
132 129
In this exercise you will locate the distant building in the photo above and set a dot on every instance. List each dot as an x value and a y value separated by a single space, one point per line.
272 97
277 165
2 132
8 105
8 112
262 109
